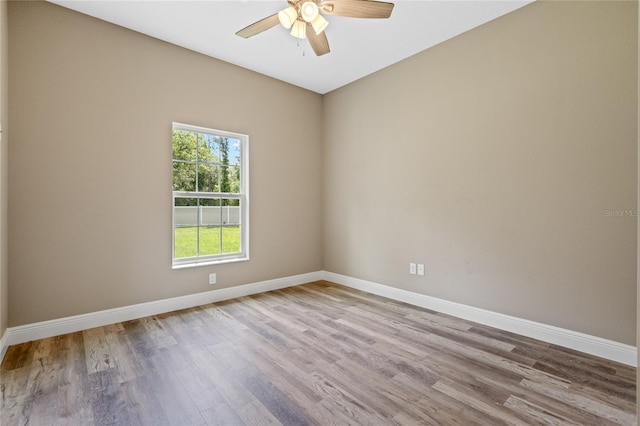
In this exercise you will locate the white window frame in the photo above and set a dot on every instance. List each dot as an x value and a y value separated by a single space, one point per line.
243 196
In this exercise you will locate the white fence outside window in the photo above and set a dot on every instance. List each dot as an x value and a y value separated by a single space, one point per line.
209 216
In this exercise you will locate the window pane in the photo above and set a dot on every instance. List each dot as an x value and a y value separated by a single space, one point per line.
230 218
233 174
184 145
208 178
231 239
208 148
209 226
185 221
209 240
234 151
225 179
184 176
209 212
185 242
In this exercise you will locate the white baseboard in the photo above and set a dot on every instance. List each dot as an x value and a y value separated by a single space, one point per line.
593 345
4 345
56 327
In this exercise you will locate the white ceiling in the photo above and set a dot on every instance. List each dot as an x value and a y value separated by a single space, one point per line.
358 46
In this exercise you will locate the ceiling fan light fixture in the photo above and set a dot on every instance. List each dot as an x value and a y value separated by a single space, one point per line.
288 17
319 24
299 29
309 11
301 14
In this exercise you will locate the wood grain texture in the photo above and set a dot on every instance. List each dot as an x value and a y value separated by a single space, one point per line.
317 354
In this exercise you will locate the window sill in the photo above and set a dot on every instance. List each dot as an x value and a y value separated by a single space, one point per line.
209 263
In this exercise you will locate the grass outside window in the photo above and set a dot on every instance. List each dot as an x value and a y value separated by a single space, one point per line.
186 241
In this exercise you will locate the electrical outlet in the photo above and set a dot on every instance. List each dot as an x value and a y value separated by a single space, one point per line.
420 269
212 278
412 268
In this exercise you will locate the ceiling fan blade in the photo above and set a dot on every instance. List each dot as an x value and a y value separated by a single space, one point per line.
357 8
319 43
259 26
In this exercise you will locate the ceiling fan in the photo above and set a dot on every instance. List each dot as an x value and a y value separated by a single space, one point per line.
304 18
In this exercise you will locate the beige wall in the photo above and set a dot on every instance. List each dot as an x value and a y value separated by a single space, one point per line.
492 158
4 139
497 159
91 111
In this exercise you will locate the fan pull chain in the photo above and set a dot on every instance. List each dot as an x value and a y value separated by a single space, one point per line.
298 45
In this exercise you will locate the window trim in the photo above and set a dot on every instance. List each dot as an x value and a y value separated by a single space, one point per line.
243 196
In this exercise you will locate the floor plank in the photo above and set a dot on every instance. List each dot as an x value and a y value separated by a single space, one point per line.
316 354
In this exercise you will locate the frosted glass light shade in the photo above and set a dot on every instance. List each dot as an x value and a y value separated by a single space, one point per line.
287 17
309 11
319 24
299 29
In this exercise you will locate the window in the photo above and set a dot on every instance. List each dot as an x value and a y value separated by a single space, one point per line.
210 196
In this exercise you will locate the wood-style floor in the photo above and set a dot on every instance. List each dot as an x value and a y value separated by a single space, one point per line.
318 354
